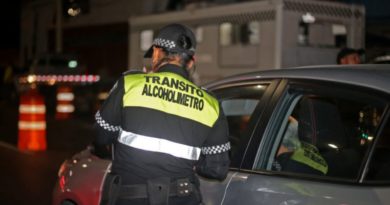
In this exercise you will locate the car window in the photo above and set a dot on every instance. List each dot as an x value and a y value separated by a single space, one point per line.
238 104
325 131
379 168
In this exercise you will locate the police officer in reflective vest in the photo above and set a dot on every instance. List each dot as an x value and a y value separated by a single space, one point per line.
164 128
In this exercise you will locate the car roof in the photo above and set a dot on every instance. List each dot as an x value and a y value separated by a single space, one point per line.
376 76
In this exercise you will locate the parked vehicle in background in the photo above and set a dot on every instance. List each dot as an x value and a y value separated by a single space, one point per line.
339 135
383 59
57 64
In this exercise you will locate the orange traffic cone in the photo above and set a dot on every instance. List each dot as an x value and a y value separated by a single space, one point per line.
32 122
65 107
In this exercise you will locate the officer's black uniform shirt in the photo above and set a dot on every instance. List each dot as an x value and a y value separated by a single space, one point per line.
136 164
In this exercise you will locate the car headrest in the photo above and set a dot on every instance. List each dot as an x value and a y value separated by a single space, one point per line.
320 123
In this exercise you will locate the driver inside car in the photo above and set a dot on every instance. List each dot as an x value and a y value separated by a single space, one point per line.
298 156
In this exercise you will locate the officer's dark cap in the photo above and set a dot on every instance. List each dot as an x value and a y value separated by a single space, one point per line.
347 51
170 38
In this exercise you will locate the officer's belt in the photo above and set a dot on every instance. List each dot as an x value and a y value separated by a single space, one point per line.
180 187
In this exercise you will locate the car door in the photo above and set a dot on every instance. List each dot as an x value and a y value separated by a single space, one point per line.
377 174
314 148
243 104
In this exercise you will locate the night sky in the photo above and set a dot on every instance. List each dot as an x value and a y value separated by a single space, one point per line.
376 9
10 24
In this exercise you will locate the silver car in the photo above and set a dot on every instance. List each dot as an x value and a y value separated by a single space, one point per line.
317 135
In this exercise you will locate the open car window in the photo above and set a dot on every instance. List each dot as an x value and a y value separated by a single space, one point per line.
239 104
326 131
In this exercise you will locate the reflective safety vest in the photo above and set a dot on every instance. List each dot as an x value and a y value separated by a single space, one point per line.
161 124
170 93
309 155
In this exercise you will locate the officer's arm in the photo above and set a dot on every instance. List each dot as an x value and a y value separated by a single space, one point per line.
108 118
214 161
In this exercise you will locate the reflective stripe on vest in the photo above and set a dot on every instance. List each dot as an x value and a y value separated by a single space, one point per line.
308 154
159 145
170 93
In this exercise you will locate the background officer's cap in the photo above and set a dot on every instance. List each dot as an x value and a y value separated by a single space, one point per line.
347 51
170 39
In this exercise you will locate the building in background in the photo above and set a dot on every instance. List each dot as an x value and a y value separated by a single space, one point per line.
106 34
258 35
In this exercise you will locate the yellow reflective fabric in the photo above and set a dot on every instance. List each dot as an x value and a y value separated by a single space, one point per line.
170 93
308 154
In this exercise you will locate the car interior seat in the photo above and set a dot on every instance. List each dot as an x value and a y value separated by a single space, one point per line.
320 124
293 160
